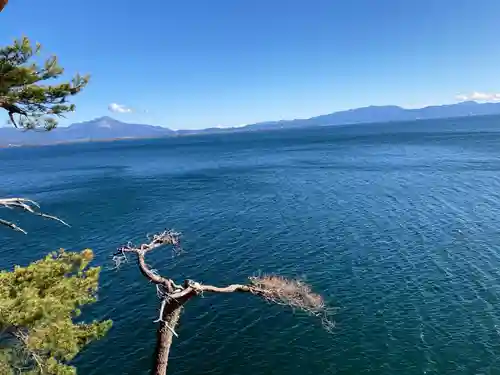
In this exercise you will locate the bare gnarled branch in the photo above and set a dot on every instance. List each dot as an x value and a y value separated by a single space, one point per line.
167 237
27 205
272 288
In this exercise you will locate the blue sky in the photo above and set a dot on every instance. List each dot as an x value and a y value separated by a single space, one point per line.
200 63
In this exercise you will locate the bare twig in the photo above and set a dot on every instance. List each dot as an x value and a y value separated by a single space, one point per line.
118 259
160 318
27 205
12 226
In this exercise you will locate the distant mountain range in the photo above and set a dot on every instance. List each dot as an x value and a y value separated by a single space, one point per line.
107 128
102 128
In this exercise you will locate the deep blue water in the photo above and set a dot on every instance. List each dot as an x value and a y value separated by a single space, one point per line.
397 225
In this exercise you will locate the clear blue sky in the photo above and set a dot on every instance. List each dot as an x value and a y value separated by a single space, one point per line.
201 63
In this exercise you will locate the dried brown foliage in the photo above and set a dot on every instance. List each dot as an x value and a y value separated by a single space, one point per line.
294 293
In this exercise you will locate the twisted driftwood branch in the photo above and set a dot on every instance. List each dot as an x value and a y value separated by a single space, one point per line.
27 205
272 288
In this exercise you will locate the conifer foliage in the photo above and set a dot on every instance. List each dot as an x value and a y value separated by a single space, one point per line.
30 102
38 306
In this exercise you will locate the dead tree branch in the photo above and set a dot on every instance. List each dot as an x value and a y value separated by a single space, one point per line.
158 240
27 205
272 288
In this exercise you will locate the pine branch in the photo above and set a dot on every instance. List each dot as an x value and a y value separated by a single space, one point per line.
29 102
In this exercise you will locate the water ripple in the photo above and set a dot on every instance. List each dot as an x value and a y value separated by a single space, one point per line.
397 227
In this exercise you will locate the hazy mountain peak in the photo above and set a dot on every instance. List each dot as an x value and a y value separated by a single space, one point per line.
105 122
105 119
467 102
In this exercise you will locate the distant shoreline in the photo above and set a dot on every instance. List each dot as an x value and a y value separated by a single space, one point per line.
242 130
104 140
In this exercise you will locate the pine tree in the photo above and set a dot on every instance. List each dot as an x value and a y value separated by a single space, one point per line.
30 102
38 305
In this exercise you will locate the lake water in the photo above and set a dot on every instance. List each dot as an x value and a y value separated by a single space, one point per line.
397 225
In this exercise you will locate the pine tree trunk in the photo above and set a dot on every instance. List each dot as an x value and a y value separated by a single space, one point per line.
164 337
